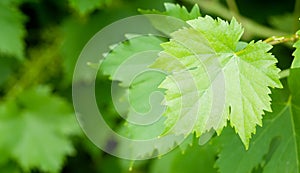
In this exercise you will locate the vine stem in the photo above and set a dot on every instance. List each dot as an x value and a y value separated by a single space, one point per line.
284 73
281 39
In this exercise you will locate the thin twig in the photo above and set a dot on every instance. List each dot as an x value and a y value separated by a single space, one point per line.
282 39
284 73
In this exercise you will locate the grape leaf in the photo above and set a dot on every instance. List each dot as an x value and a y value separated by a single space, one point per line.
296 54
128 63
175 10
39 127
175 17
203 56
122 58
12 30
275 146
84 7
142 132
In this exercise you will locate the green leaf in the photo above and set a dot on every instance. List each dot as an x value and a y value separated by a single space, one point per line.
39 127
294 84
176 10
84 7
275 146
195 159
141 132
206 57
296 54
128 63
178 15
128 58
141 89
12 30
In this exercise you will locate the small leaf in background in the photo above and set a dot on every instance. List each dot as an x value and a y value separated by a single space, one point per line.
175 17
176 10
84 7
12 30
35 129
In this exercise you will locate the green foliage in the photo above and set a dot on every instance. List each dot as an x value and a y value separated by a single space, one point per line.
175 10
120 55
124 61
12 30
175 17
176 75
37 139
84 7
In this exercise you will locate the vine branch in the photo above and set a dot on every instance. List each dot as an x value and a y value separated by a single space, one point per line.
281 39
284 73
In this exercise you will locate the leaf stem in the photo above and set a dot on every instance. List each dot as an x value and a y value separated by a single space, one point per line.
281 39
284 73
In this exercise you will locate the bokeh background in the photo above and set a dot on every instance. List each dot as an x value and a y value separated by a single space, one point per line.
40 41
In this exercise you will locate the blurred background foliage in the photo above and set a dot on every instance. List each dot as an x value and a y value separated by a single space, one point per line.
40 41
